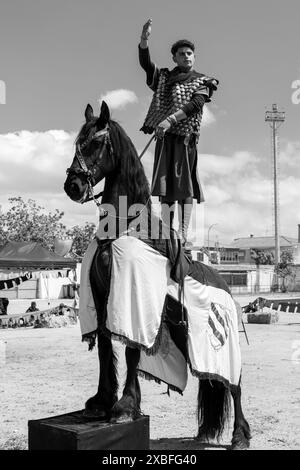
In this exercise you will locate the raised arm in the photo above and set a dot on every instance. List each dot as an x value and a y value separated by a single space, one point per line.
144 55
146 34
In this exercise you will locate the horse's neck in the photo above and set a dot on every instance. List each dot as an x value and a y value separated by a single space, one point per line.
111 192
121 215
116 195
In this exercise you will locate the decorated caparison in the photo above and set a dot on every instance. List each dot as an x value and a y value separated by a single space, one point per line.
170 312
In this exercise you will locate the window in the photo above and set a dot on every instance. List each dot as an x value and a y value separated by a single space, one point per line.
229 256
237 279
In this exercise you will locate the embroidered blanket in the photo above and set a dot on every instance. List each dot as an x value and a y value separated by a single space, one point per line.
140 281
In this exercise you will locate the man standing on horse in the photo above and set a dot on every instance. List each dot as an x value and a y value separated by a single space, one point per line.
175 115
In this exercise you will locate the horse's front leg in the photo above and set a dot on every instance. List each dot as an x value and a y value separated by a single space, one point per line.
99 406
241 429
128 407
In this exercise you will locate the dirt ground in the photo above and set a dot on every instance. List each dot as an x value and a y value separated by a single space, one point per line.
47 372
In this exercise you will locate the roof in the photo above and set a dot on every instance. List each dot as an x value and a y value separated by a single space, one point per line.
31 255
213 247
263 242
240 267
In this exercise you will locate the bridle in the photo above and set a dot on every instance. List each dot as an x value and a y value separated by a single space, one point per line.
88 173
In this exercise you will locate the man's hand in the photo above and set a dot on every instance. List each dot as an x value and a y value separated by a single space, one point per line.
147 30
162 128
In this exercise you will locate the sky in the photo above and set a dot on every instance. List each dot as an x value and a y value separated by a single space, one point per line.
57 56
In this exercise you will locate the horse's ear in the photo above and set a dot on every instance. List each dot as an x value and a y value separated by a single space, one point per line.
89 113
104 116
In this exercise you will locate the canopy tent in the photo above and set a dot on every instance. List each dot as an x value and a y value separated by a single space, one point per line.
32 256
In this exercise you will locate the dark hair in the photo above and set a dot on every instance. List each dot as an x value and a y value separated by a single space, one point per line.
182 43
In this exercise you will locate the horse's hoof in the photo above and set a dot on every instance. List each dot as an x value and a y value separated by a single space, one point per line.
119 416
240 445
202 436
97 408
123 412
240 439
125 418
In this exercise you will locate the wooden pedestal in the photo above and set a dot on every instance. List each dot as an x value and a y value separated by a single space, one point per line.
263 317
74 432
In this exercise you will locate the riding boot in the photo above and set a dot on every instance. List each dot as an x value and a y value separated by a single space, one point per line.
167 216
185 212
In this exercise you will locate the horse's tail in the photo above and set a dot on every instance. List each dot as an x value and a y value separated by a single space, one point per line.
214 402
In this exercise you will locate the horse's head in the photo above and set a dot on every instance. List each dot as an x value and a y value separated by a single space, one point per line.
94 157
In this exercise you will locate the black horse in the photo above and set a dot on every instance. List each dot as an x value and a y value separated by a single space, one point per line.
104 151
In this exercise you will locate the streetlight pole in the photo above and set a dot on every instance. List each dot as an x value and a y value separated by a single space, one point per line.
209 229
275 118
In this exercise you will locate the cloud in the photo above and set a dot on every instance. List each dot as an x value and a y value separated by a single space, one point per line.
239 194
31 161
238 188
118 99
217 194
208 117
229 165
289 157
33 166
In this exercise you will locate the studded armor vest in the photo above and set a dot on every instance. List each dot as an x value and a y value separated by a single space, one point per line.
168 99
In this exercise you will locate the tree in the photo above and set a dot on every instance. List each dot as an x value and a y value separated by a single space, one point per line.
27 221
262 257
284 269
81 235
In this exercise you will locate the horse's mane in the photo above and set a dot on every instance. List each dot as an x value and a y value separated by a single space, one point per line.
133 180
132 175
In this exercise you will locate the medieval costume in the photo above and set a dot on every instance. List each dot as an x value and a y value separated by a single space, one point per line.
175 160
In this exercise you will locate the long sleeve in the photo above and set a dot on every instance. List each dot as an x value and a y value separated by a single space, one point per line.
195 105
149 67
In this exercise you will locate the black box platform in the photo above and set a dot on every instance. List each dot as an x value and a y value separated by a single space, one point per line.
74 432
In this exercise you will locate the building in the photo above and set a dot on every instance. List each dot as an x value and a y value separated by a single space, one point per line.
244 246
236 265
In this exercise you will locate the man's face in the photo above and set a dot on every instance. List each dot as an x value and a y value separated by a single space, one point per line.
184 58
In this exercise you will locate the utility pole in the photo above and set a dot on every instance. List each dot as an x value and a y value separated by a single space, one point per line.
275 119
